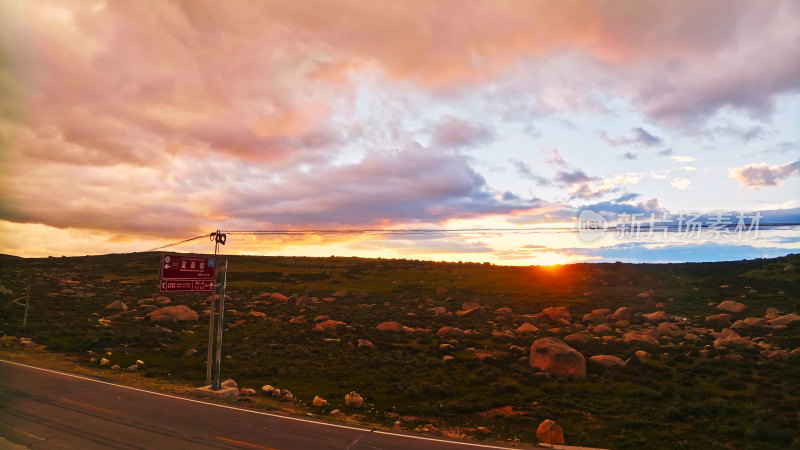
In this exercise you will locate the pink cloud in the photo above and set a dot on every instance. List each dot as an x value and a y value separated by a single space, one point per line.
756 176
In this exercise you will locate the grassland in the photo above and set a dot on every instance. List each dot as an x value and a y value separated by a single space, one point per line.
687 394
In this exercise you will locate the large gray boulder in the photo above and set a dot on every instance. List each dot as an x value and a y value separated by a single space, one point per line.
554 356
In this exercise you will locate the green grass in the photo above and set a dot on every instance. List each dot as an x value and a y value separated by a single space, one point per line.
675 399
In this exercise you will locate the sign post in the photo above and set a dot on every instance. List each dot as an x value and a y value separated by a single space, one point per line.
183 273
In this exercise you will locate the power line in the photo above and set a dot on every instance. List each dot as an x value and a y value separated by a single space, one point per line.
627 227
178 243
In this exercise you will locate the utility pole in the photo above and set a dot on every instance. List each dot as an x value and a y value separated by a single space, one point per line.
27 300
219 238
218 358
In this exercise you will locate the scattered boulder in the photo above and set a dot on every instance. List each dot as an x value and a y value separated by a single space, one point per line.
772 313
190 352
622 313
229 383
267 389
784 320
719 320
173 314
577 339
162 300
321 318
556 313
607 361
340 294
595 319
448 331
472 312
640 336
394 327
247 392
104 362
298 321
526 328
319 402
731 306
503 311
9 341
132 368
278 297
116 367
552 355
484 431
669 329
257 314
439 311
750 322
602 330
549 432
656 317
364 343
353 400
117 305
642 355
730 337
328 325
446 358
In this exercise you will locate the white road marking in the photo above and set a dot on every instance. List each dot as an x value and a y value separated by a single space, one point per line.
263 413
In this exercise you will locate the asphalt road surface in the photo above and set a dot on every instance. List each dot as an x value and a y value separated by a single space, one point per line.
41 408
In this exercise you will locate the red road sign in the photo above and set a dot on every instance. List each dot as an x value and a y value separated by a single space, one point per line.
187 273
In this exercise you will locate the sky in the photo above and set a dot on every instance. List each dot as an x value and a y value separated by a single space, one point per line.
128 125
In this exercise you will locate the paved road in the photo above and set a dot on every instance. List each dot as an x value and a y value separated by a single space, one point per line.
41 408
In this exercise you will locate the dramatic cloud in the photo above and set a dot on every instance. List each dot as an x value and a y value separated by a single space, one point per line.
452 132
525 171
639 138
163 119
756 176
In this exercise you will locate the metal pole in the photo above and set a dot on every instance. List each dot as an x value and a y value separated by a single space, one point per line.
218 357
27 300
210 356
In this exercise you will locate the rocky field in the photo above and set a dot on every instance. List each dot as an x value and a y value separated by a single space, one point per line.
607 355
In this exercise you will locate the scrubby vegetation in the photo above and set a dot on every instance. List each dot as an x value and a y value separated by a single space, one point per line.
689 391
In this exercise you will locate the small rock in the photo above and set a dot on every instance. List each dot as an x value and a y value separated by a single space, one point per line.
550 432
394 327
116 367
607 361
622 313
247 392
447 331
104 361
190 352
229 383
526 328
718 320
364 343
319 402
484 431
267 389
731 306
117 305
353 400
555 313
132 368
656 317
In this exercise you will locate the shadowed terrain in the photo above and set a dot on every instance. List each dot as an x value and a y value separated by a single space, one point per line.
718 368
